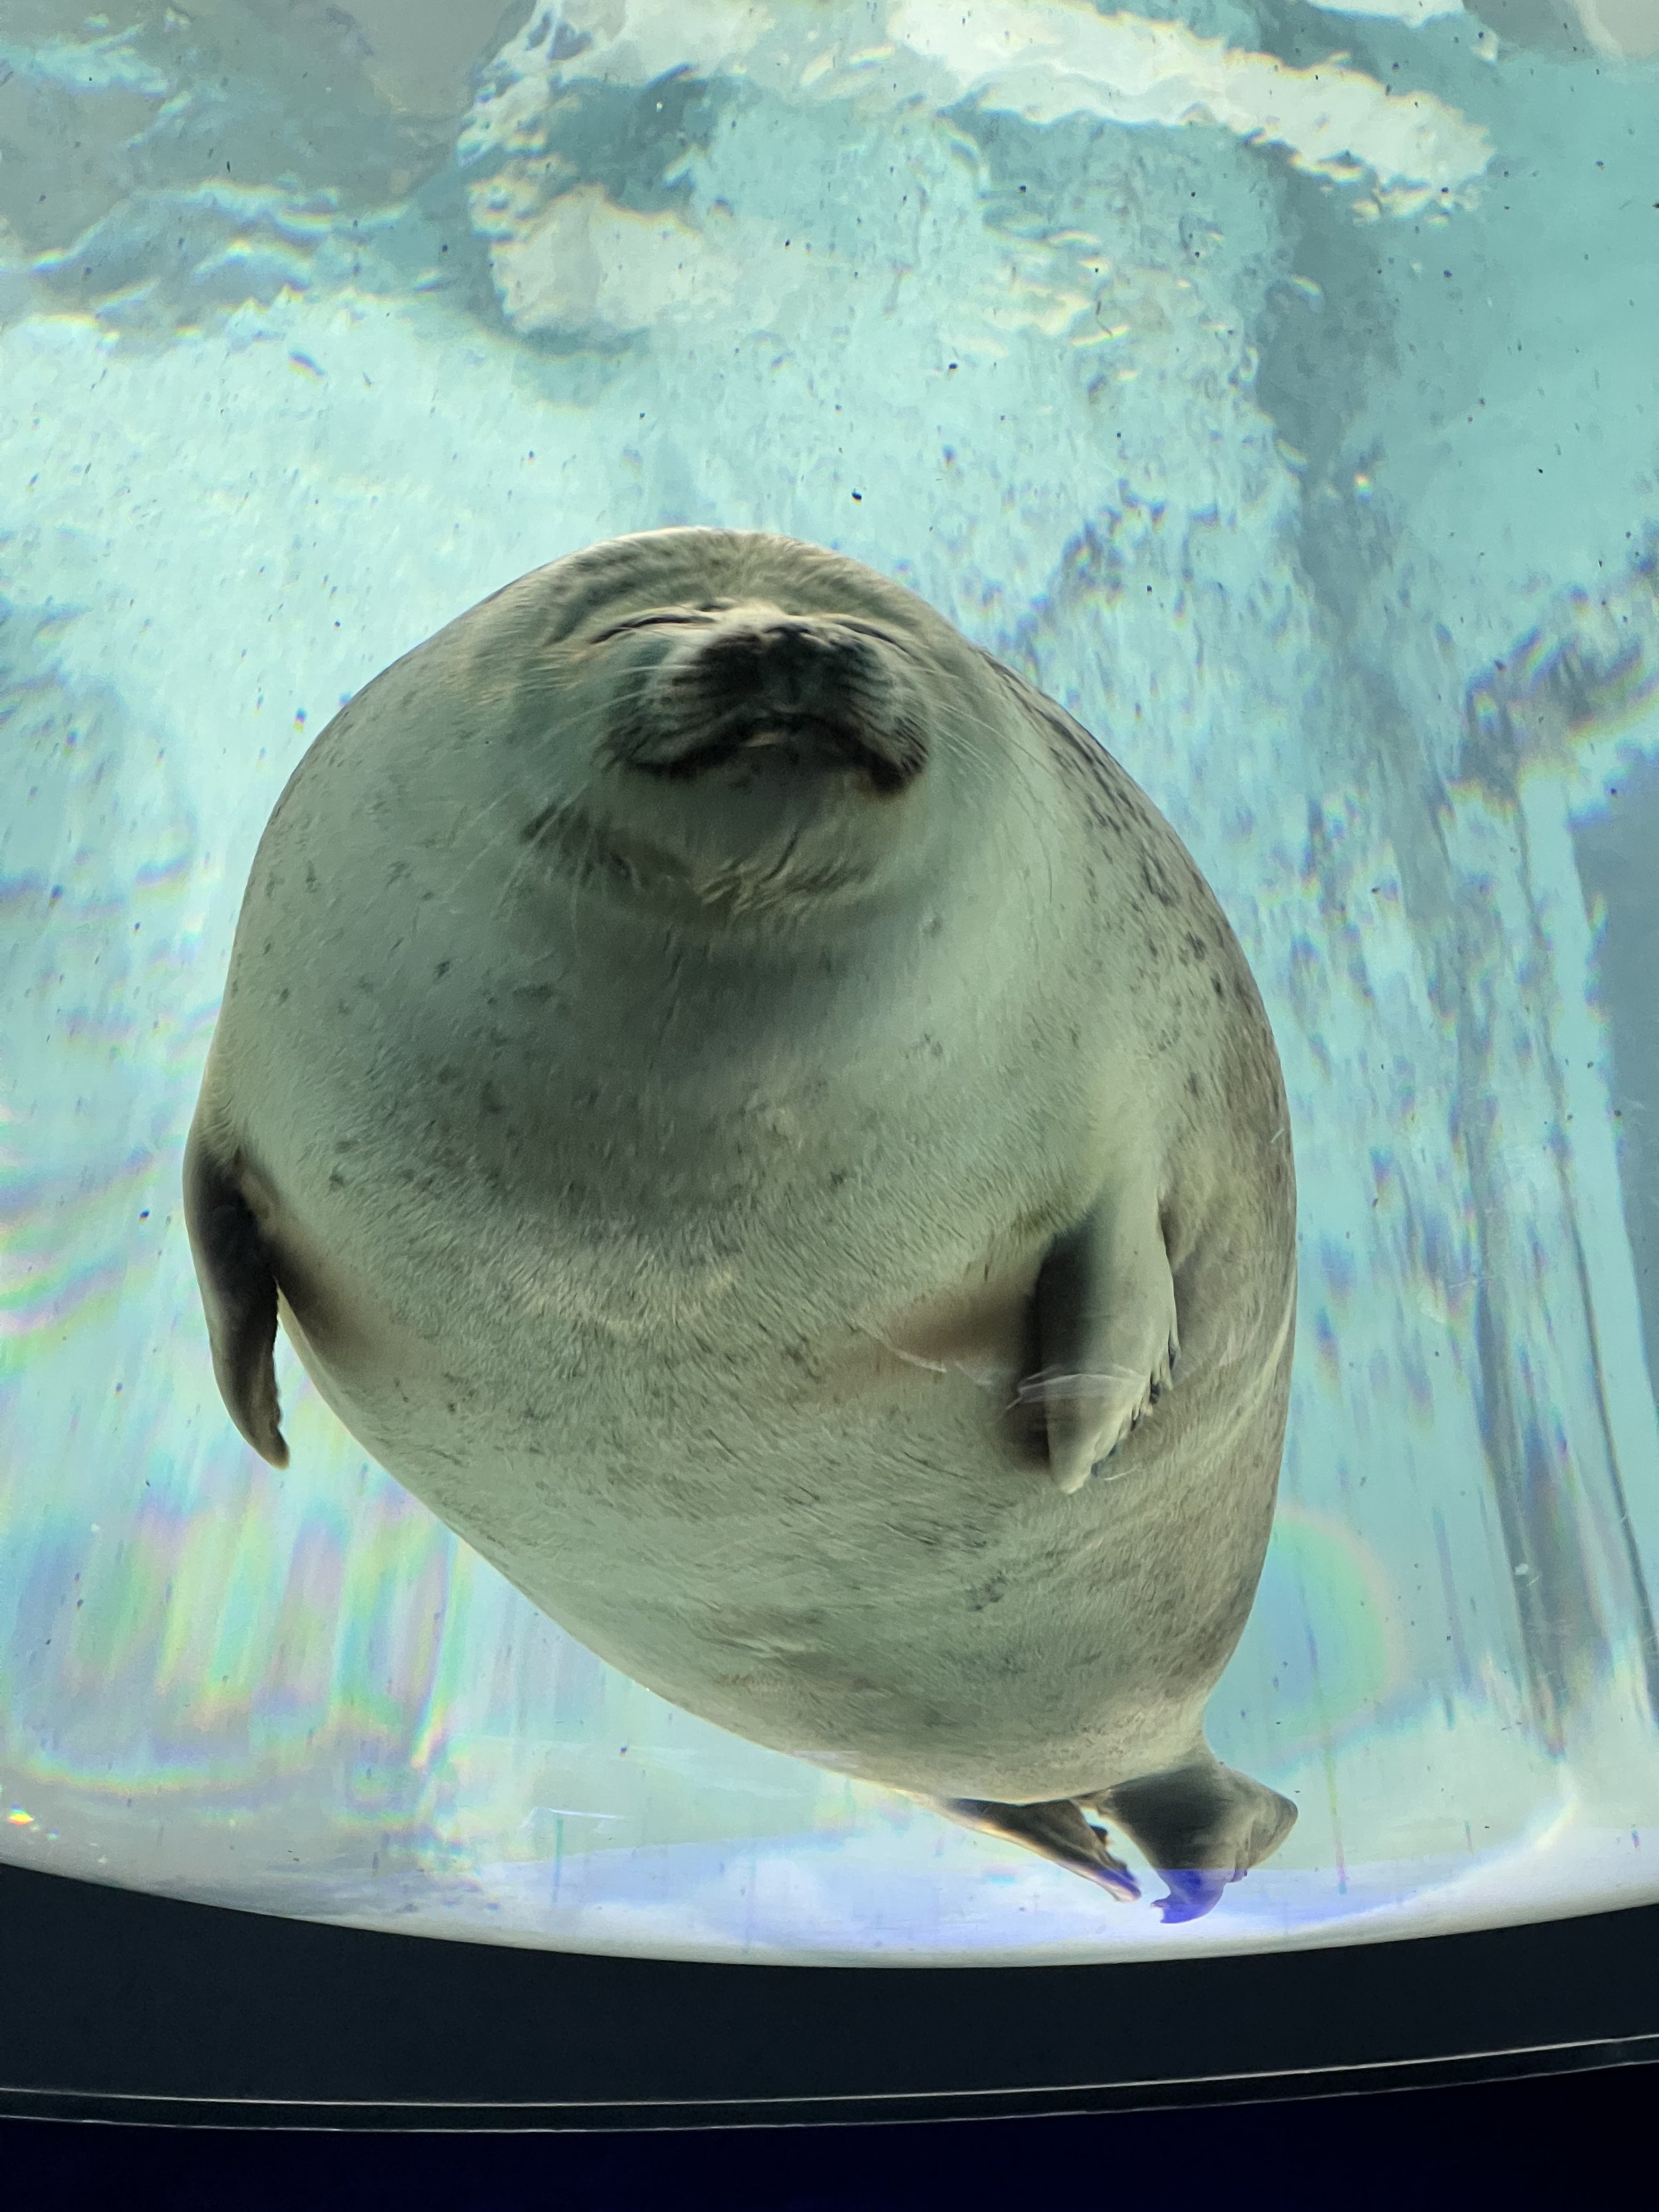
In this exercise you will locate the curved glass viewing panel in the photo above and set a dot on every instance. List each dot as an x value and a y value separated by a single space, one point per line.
1272 386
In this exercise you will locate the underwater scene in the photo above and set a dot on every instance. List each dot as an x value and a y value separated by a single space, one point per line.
1272 387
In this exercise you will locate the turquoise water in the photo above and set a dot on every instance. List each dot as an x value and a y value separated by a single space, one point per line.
1274 386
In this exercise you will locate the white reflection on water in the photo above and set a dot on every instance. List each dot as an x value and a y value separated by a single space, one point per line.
1291 421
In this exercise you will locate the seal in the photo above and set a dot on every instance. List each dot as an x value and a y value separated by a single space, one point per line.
744 1107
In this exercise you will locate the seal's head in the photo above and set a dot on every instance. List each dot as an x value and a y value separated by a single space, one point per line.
728 722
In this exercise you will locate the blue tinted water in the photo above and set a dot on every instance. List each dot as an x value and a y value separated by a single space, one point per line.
1276 386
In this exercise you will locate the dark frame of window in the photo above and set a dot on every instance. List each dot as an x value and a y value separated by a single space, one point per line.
126 2007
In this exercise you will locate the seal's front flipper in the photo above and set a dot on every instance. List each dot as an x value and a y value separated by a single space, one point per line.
1201 1824
1057 1830
239 1295
1101 1335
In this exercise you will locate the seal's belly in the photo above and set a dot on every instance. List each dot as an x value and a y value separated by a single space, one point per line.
864 1576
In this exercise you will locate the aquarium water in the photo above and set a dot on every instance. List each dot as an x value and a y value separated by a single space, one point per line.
1277 385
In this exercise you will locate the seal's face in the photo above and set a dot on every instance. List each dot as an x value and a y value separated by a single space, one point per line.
762 747
823 696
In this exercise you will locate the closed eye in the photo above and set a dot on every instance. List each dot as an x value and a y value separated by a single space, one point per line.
686 618
862 628
701 618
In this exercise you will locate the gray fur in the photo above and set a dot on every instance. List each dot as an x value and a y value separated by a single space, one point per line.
746 1110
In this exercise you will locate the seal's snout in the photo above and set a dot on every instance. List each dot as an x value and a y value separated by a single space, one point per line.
789 692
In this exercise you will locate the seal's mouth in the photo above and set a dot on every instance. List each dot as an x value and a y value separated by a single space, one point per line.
791 695
806 743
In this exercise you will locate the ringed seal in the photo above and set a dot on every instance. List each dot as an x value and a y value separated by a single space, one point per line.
746 1109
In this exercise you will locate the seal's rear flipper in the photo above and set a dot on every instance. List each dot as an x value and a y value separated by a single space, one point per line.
1056 1830
239 1295
1101 1335
1201 1824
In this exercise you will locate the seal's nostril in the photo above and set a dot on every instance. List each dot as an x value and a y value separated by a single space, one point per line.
786 693
789 664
